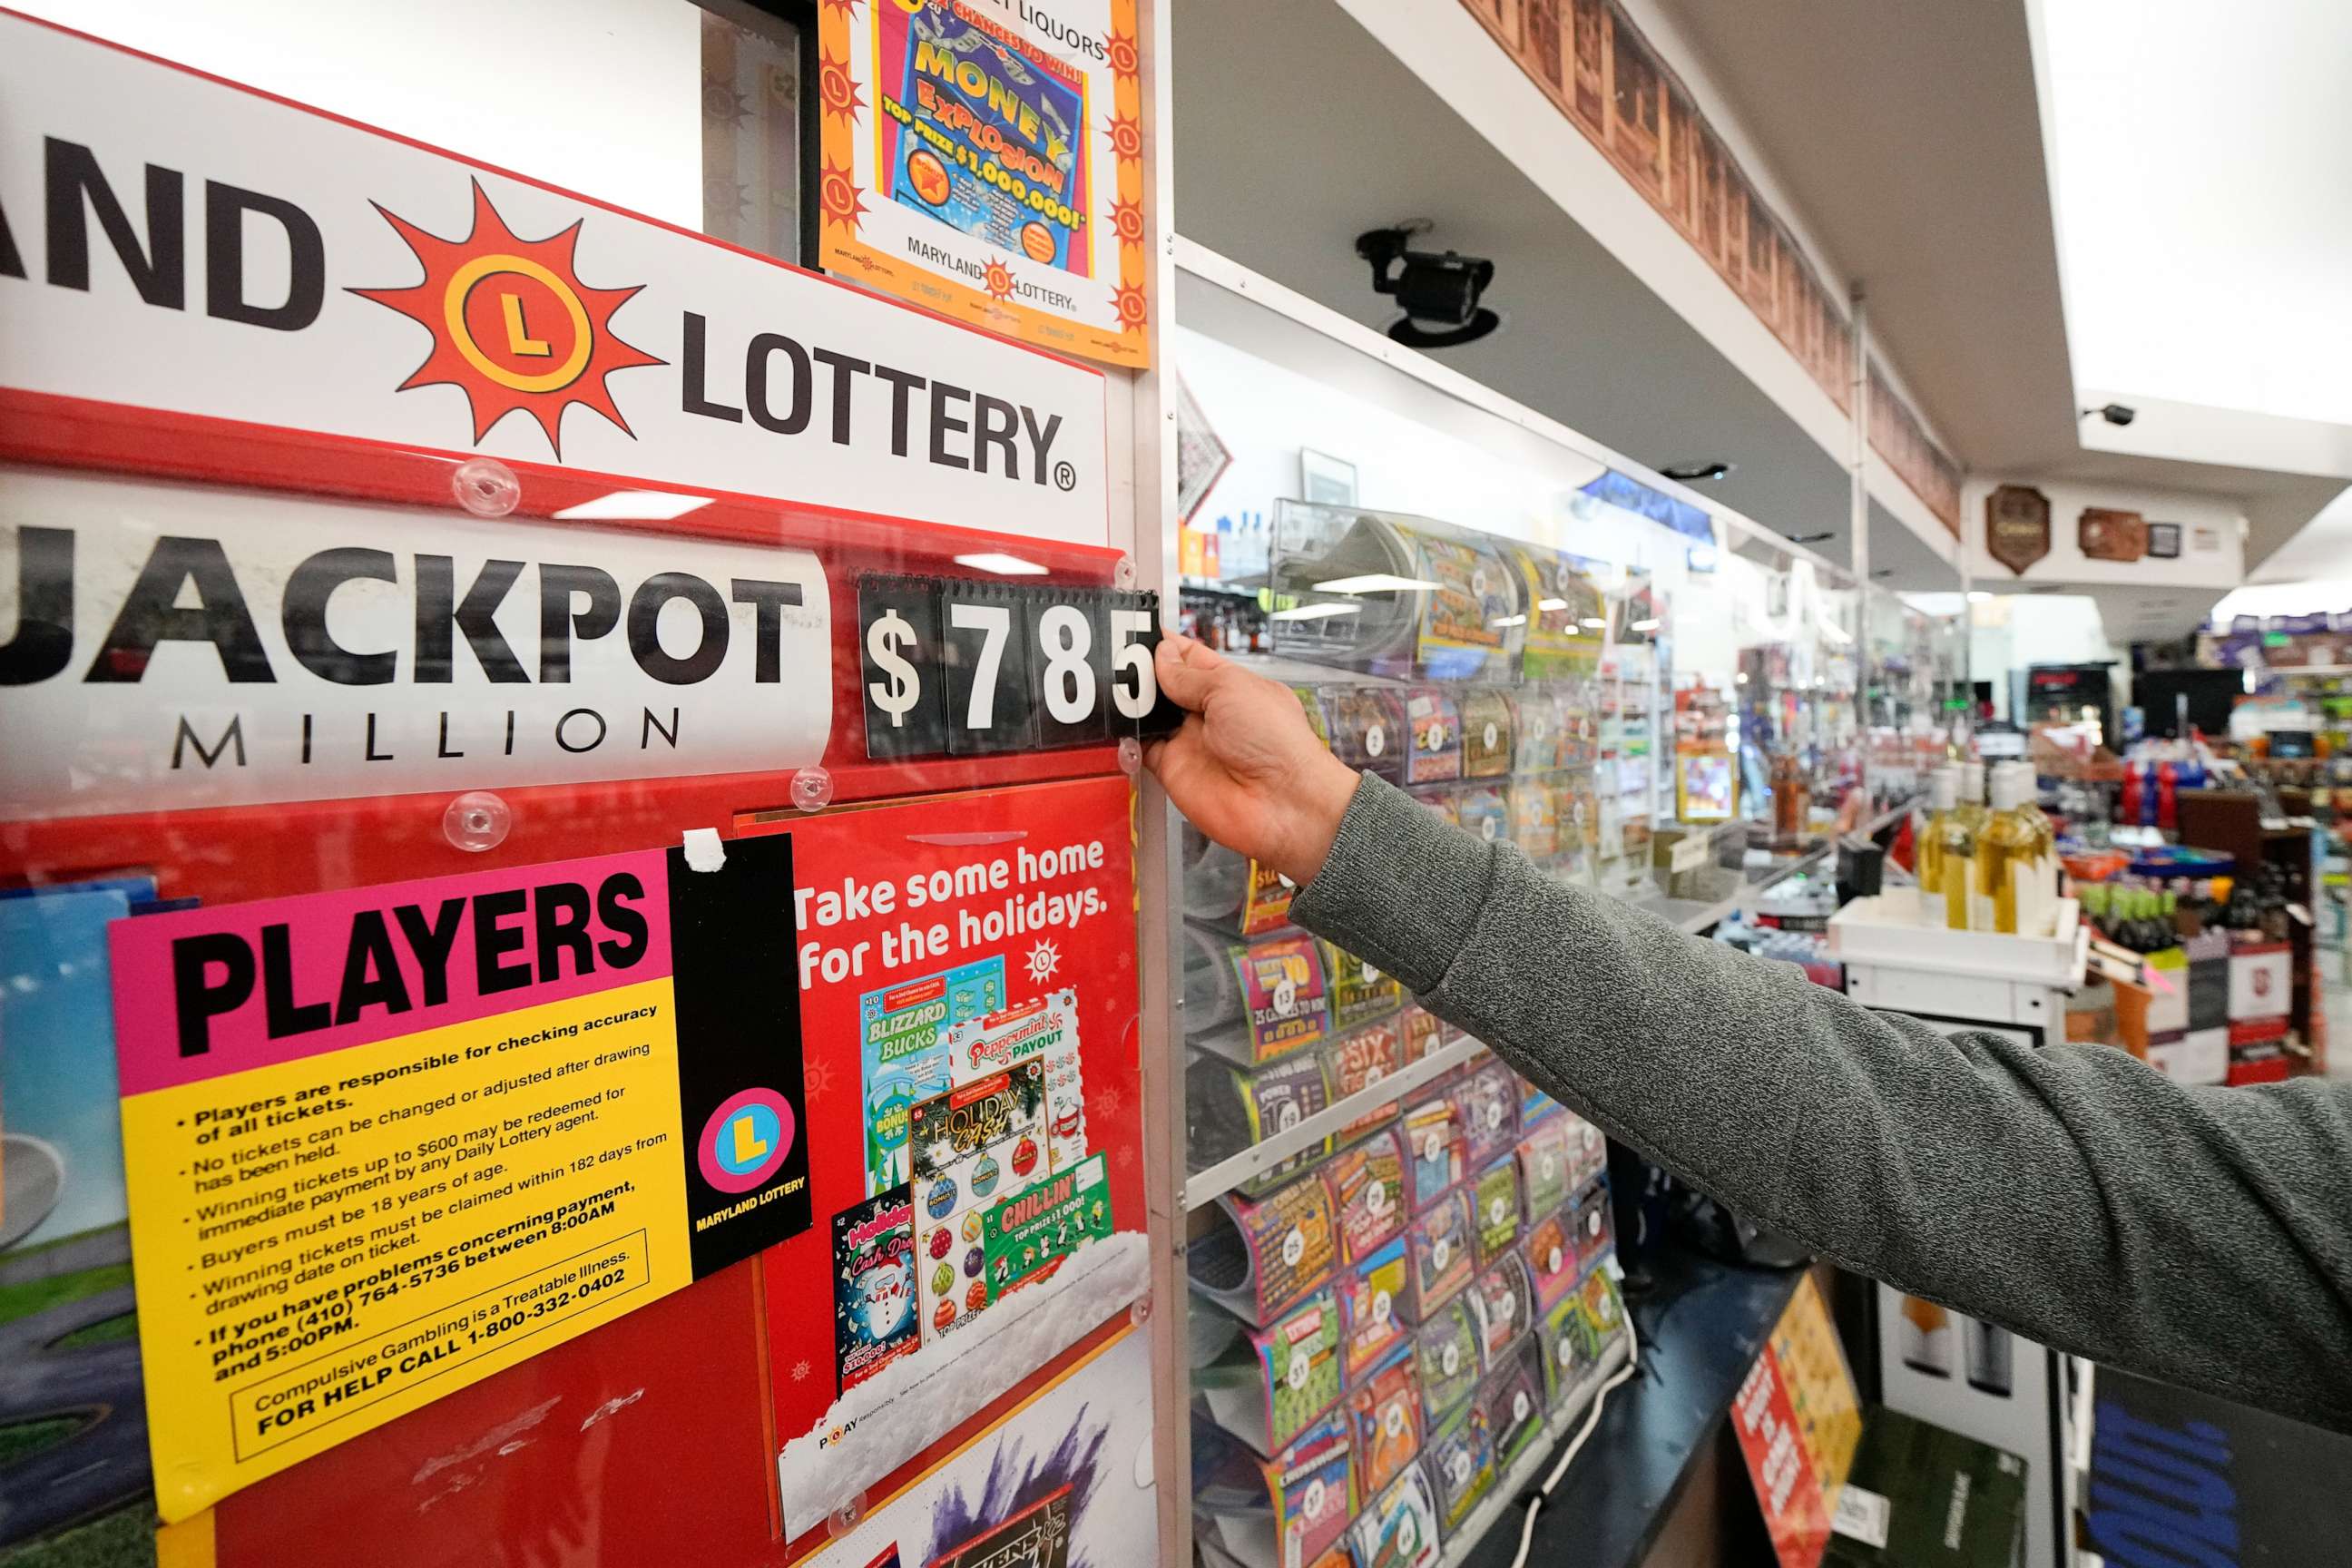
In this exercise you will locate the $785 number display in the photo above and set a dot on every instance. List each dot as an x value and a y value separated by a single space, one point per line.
964 668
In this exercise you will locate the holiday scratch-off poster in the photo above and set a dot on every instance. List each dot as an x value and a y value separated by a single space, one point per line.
381 1144
985 159
1024 1213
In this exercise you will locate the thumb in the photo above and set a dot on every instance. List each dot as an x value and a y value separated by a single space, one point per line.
1187 670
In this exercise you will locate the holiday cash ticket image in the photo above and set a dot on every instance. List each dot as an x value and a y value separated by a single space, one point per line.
382 1143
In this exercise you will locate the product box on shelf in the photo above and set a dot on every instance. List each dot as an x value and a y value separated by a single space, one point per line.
1368 730
1357 1060
1489 733
1503 1301
1366 1182
1229 1107
1545 1168
1445 1349
1436 1150
1436 727
1494 1204
2192 1057
1576 1335
1442 1248
1420 1032
1459 1455
1269 1384
1260 1255
1591 1223
1399 1528
1359 993
2261 981
1386 1406
1370 1294
1553 1266
1513 1400
1483 810
1285 1511
1489 1101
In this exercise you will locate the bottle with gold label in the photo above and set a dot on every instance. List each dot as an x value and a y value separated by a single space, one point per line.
2045 852
1943 794
2005 864
1957 868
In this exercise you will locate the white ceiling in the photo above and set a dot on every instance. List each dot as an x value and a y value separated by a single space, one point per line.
1918 155
1914 149
2202 165
1296 131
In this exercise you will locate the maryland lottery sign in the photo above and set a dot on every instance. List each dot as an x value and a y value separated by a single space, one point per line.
172 243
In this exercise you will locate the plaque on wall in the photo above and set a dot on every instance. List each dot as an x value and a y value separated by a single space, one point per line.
2163 541
2106 534
2017 526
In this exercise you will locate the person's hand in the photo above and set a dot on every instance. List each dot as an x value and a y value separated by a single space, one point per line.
1246 768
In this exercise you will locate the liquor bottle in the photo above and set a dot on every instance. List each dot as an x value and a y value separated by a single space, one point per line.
2244 911
1987 1357
2272 903
1972 796
1959 862
2006 863
2035 868
1927 1337
1944 793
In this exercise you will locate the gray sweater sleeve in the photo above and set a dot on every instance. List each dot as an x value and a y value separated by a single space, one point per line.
2072 1195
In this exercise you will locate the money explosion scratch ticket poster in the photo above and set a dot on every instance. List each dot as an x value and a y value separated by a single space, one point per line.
984 158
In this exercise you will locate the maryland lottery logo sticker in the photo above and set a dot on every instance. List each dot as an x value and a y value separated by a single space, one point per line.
746 1139
513 325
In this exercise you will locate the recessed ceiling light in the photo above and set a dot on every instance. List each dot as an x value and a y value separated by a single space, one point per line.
1002 564
1508 621
1374 583
1650 625
1551 604
1595 622
634 506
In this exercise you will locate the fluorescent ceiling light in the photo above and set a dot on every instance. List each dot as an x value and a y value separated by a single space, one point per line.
1508 621
1978 596
1650 625
1595 622
1551 604
1373 583
1316 612
1002 565
634 506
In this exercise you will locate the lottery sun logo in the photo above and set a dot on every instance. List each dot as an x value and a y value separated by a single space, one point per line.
513 325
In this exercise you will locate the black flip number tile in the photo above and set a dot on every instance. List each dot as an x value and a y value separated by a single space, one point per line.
1138 706
1069 666
987 665
902 684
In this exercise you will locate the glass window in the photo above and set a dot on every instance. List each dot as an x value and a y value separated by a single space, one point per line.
751 130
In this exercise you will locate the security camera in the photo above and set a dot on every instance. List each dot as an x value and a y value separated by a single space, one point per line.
1438 291
2114 414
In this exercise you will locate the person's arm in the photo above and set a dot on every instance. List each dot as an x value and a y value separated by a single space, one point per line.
2072 1195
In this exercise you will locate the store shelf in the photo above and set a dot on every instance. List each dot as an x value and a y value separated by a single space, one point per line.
1226 1174
1478 1530
1692 915
1701 1323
